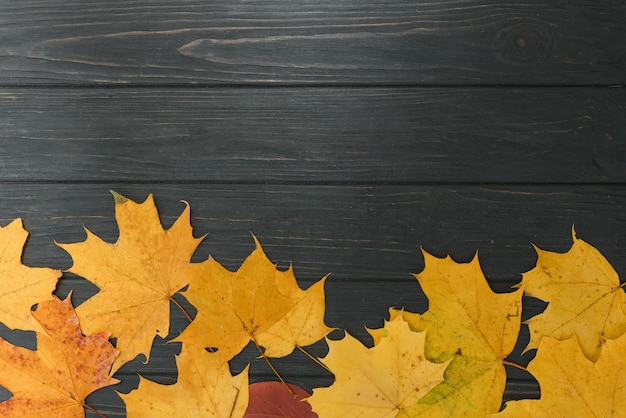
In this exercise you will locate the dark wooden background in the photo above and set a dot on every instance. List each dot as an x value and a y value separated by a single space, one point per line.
344 134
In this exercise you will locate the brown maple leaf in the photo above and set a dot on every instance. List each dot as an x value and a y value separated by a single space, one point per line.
271 400
54 380
137 275
255 303
21 287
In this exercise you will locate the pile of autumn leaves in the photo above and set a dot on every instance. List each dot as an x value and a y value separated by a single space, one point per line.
446 362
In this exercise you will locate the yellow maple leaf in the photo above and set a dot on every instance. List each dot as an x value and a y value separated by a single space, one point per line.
235 308
381 381
54 380
301 326
473 327
205 388
584 297
572 385
21 287
137 275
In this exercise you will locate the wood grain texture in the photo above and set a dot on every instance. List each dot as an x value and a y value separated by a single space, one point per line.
356 233
279 41
346 135
397 135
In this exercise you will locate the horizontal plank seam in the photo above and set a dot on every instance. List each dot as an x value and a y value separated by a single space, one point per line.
331 183
203 86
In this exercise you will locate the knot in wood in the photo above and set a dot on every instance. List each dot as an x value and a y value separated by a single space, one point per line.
523 43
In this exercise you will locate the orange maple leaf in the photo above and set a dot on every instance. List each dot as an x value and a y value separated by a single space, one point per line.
22 286
54 380
255 303
137 275
302 325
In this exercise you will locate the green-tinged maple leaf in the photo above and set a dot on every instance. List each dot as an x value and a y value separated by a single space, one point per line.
471 326
256 303
137 275
205 389
382 381
54 380
572 385
584 297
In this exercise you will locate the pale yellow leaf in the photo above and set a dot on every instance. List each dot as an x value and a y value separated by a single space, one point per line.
572 385
584 297
204 389
377 382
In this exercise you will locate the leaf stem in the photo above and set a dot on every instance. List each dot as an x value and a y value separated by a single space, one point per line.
94 410
315 359
517 366
291 392
175 302
189 318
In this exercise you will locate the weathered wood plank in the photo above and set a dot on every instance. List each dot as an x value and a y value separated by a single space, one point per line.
355 233
156 96
396 135
279 41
